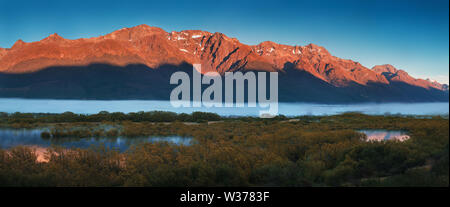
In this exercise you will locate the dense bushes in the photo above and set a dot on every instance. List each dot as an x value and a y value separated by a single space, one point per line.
312 151
152 116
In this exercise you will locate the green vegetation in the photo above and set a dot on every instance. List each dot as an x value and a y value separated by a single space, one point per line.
30 119
245 151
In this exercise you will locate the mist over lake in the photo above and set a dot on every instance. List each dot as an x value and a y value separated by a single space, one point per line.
11 105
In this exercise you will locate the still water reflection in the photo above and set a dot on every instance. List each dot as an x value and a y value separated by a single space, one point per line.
32 137
381 135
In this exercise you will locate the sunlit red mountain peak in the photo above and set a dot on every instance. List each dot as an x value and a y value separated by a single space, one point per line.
397 75
152 46
53 38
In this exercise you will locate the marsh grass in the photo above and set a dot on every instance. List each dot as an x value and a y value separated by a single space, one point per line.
246 151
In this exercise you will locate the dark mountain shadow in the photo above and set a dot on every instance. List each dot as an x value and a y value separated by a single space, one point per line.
109 82
298 85
95 81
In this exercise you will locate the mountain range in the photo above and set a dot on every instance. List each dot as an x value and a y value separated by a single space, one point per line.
136 63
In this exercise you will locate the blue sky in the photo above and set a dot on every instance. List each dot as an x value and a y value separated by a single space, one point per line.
409 34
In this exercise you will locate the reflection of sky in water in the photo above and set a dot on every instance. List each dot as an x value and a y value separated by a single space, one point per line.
32 137
11 105
379 135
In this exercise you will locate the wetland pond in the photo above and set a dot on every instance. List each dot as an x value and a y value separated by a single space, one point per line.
384 135
32 137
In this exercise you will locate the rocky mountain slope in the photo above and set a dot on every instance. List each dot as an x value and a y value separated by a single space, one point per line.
152 48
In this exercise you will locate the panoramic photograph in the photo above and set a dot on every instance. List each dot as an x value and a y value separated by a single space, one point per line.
241 94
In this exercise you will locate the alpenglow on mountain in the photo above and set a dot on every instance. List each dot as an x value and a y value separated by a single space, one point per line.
136 63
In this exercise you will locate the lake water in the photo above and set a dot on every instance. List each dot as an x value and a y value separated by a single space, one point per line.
32 137
382 135
11 105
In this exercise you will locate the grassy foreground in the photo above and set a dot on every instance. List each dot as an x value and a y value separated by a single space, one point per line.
296 151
